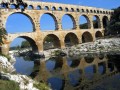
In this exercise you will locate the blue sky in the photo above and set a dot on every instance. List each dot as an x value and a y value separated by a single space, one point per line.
20 23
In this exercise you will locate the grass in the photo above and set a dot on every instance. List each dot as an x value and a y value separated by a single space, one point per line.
8 85
41 86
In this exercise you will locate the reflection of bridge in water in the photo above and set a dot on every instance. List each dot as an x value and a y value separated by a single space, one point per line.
76 35
80 73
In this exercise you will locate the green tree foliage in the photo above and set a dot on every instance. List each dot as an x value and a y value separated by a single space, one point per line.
114 24
3 34
25 44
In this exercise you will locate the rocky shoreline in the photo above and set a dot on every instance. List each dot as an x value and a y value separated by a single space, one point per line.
7 72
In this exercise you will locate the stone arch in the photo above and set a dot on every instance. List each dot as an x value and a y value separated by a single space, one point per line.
91 11
31 42
53 8
30 7
89 59
86 24
72 10
71 39
98 34
105 21
87 11
72 18
94 11
78 10
87 37
53 17
66 9
96 22
28 16
82 10
51 41
60 8
21 6
13 6
46 8
38 7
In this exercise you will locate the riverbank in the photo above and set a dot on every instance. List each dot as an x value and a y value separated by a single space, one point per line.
9 78
99 46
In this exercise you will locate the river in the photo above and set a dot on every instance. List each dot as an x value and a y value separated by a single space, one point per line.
84 72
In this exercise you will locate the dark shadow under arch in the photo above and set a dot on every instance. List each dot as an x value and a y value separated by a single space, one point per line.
71 39
51 41
98 34
87 37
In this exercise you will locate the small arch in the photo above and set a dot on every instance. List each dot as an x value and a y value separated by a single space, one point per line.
103 12
4 5
38 7
21 7
46 8
87 37
82 10
53 8
30 7
72 23
98 34
72 10
71 39
94 11
66 9
87 11
91 11
13 6
60 8
97 11
96 22
84 22
51 41
78 10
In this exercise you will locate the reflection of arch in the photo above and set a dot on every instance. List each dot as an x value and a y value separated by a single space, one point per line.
102 68
32 43
71 39
72 18
84 25
87 37
96 22
74 63
98 34
54 18
105 21
51 41
31 20
89 59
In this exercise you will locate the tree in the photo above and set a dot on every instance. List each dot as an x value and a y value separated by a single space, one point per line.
25 44
3 34
113 27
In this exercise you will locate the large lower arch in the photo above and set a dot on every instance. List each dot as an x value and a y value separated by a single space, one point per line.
71 39
84 22
87 37
31 42
51 41
98 34
68 22
19 22
48 22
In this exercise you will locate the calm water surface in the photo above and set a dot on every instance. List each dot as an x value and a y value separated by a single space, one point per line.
85 72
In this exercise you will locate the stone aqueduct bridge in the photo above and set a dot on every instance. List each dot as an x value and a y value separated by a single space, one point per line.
57 11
